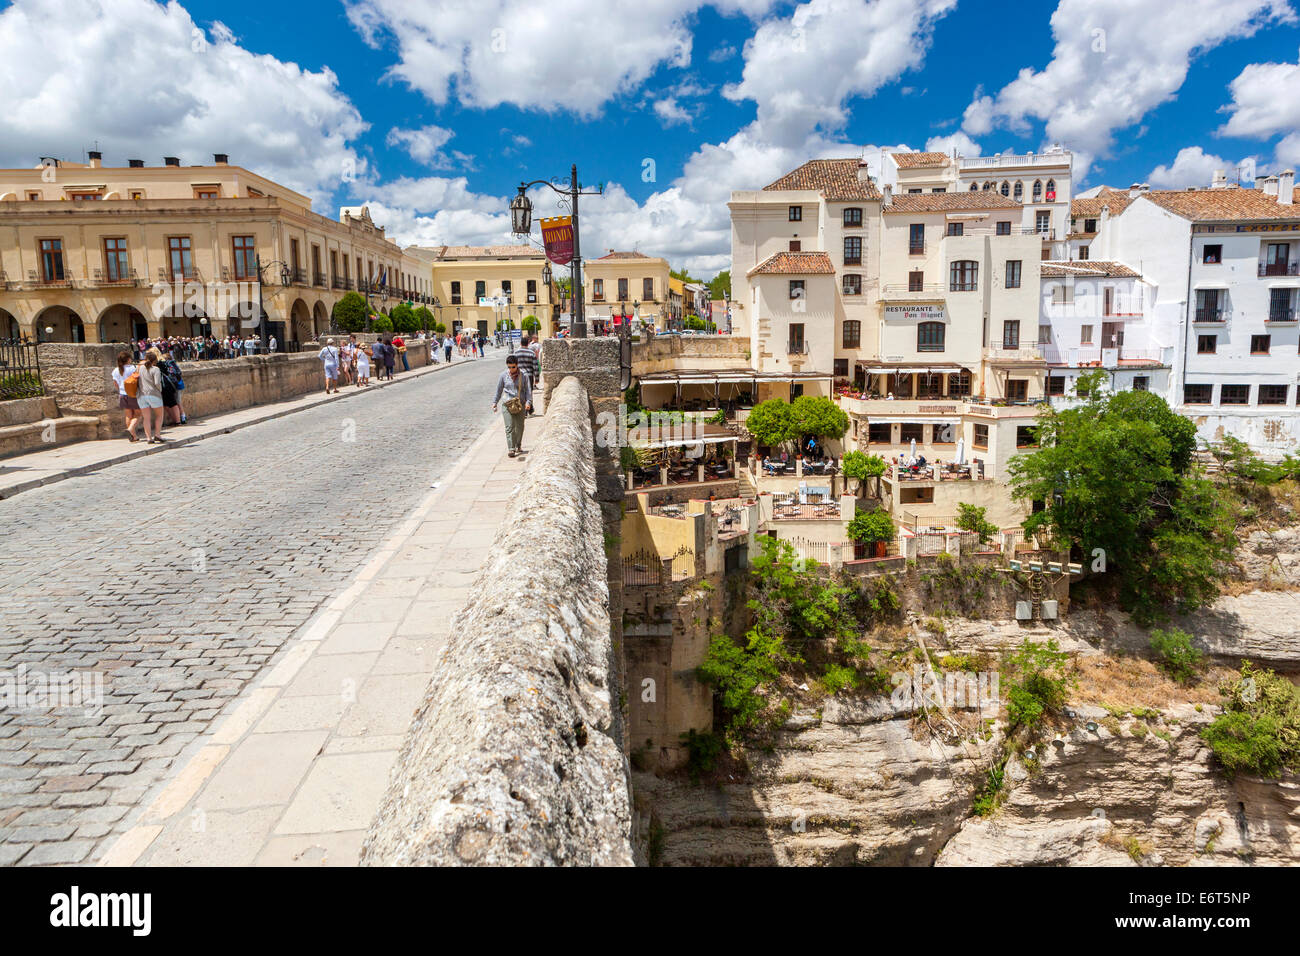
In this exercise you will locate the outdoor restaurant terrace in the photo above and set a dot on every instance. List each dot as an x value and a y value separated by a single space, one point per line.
713 389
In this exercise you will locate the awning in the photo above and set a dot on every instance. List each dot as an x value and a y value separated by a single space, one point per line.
900 368
912 420
1210 285
737 376
677 442
1284 284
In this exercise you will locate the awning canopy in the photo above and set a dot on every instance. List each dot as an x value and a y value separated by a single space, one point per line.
905 368
740 376
913 420
693 435
1208 284
1285 284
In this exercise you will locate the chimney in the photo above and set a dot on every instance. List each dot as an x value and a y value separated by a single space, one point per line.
135 163
1270 186
864 171
221 159
1220 179
95 158
1286 187
171 161
1134 190
889 195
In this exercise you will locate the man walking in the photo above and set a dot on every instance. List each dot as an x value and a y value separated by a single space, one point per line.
527 364
446 347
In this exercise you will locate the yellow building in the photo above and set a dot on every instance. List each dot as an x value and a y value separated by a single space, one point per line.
625 284
480 286
106 254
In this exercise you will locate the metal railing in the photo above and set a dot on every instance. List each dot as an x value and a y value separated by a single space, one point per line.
1209 315
648 568
916 248
1281 315
1279 269
318 279
20 370
900 289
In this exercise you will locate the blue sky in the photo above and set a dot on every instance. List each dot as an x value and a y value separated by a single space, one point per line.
431 112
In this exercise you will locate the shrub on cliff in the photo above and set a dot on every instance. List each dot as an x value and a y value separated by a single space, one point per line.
1176 655
1259 730
1037 678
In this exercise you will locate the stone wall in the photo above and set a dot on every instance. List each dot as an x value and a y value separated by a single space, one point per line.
515 756
663 353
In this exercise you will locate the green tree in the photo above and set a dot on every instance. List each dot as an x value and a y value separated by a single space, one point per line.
971 518
530 323
403 319
815 416
1175 653
694 322
350 312
771 422
720 285
381 323
682 274
1039 678
869 527
424 319
1112 474
505 324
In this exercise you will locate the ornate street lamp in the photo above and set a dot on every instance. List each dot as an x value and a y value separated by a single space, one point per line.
521 221
261 309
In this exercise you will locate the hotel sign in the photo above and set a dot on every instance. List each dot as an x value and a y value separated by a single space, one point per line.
915 313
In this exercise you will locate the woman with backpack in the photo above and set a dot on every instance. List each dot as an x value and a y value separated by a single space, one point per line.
150 396
128 383
173 383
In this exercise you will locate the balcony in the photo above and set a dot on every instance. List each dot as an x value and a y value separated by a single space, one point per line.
297 277
796 348
1279 315
1021 353
1210 315
1092 356
318 279
1279 269
916 248
129 278
906 292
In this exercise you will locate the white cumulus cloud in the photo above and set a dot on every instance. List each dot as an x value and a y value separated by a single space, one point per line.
1193 166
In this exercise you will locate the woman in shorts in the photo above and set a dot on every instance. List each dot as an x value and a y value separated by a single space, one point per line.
130 407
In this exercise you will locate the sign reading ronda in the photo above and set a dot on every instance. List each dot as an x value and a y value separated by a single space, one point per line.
918 313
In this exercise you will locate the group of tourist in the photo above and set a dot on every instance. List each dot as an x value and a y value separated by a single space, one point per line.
149 392
203 347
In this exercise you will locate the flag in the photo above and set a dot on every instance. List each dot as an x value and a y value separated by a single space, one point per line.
557 235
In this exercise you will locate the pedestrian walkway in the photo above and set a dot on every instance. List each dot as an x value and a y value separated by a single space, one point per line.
23 472
294 771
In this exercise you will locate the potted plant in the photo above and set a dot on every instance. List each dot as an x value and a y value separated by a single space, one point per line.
871 529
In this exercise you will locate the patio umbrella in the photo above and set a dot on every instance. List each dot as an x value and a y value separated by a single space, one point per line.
961 452
912 453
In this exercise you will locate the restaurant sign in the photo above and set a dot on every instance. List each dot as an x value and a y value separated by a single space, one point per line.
915 313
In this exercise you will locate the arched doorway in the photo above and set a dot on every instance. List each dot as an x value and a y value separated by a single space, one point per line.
122 323
243 319
184 322
300 322
10 328
63 324
320 321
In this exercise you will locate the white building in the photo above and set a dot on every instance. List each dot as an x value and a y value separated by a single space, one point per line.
1221 269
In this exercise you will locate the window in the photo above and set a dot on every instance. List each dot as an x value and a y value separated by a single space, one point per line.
1005 190
1011 334
622 290
480 290
1083 253
842 371
1209 305
796 288
1280 308
1056 385
647 290
1206 344
244 255
1044 335
929 385
852 250
796 338
922 190
796 245
52 260
1013 273
1090 225
959 384
915 281
293 254
1062 294
930 336
987 187
1026 436
207 192
506 289
1259 344
455 293
796 213
911 431
852 217
137 194
598 289
956 228
852 284
916 238
530 290
1273 394
1197 394
1018 192
963 276
1043 223
974 186
116 265
1234 395
1038 191
1085 335
1141 383
938 189
1051 190
1212 255
879 433
1017 389
981 437
852 334
1004 227
334 265
34 197
182 257
83 197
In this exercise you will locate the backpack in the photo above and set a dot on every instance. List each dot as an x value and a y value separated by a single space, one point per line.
131 384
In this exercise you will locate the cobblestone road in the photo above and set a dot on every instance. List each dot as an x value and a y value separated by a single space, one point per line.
177 576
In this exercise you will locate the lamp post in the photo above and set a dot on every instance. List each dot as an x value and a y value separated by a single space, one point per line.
521 220
261 309
546 284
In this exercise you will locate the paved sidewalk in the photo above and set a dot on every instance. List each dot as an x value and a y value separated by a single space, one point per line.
294 771
24 472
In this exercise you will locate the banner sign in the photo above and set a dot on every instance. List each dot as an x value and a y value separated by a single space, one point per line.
557 235
933 313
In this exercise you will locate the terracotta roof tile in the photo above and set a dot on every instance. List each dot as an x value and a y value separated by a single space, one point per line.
624 255
485 252
1087 267
959 201
1090 207
795 264
920 160
1216 205
836 179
